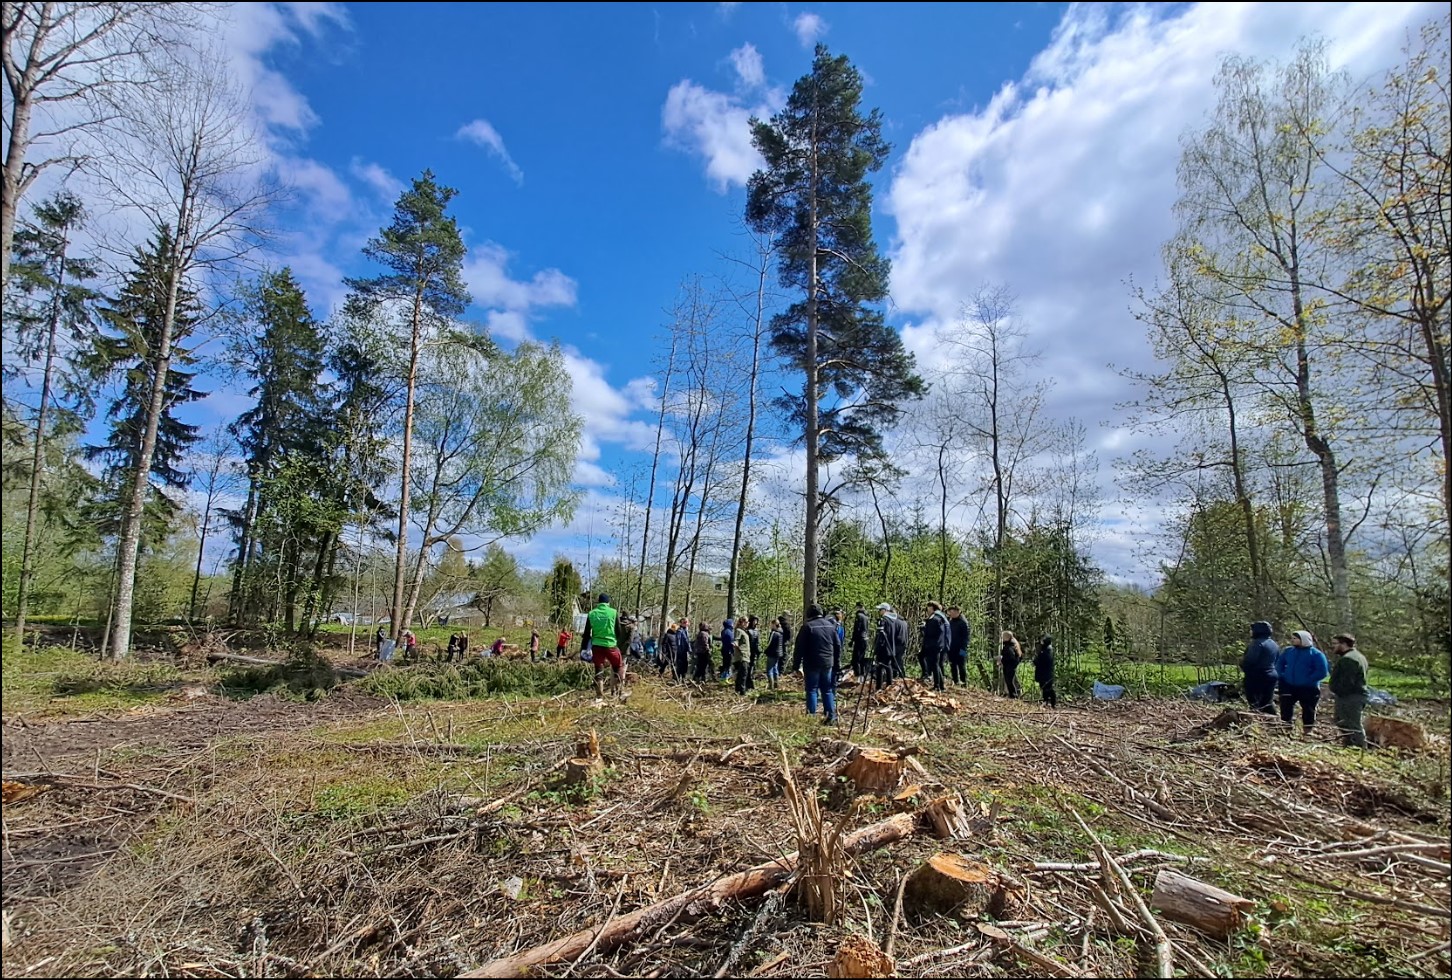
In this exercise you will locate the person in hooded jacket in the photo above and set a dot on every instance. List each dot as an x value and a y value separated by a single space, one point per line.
1009 656
681 654
1258 667
817 654
958 635
935 644
1301 669
1044 671
776 648
728 647
753 650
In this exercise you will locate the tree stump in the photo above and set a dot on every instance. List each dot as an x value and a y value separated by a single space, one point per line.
1393 733
859 956
588 747
948 818
950 883
1211 910
580 771
875 771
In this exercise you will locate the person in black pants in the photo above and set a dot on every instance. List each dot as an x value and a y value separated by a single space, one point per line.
1009 655
1258 667
1044 671
1301 669
702 652
935 645
859 644
891 638
958 636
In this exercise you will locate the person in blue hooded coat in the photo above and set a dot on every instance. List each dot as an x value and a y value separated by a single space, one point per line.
1301 669
1259 668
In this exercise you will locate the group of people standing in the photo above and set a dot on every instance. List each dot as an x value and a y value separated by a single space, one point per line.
1296 671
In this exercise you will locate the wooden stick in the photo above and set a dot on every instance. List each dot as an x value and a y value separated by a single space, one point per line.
746 884
1164 952
615 909
896 914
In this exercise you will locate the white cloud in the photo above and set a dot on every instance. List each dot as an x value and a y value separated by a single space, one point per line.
717 125
726 9
486 273
252 30
482 133
382 183
809 27
1062 185
749 67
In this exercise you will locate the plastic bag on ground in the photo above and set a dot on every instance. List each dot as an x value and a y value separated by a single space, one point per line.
1108 692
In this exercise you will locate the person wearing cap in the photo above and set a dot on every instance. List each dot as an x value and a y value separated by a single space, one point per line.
599 639
888 646
1301 669
859 643
959 634
1258 668
1348 684
935 644
817 654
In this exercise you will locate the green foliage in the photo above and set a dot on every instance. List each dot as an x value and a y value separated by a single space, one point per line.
304 675
423 253
479 678
561 587
361 798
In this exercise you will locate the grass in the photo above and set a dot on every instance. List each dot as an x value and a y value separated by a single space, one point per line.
57 680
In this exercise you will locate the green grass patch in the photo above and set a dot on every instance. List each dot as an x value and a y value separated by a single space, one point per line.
359 798
488 677
58 680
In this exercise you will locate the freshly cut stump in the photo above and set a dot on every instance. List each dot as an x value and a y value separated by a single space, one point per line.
579 771
859 956
1393 733
588 747
1211 910
875 771
949 820
950 883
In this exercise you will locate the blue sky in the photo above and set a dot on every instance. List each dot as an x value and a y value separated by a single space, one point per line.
600 152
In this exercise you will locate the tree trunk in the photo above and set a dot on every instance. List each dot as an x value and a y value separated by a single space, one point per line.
130 540
750 436
238 601
942 526
1247 508
951 883
1211 910
743 885
14 183
875 771
809 396
32 505
654 466
201 553
397 624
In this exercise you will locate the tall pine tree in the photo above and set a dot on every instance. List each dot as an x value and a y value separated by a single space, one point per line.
814 199
422 293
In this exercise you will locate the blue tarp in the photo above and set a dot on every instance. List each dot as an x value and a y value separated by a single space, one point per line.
1108 692
1380 698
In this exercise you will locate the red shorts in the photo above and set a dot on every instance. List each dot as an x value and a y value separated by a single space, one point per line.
600 656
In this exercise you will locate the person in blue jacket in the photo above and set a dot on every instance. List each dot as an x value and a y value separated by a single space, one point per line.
1301 669
1259 668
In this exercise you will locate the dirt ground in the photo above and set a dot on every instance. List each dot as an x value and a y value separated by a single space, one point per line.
354 836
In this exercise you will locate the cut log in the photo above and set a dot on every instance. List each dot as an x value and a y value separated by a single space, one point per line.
1211 910
581 771
859 956
875 771
588 747
1394 733
951 883
948 819
746 884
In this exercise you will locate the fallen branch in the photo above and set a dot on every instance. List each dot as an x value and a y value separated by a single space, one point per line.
1150 804
237 658
745 884
1164 952
1129 858
896 915
76 782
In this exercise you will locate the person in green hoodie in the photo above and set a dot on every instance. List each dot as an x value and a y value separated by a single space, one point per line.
1348 684
599 639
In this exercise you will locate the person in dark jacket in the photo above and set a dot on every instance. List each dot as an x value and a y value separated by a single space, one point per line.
728 647
753 649
681 662
817 653
1348 684
1009 655
776 649
935 644
702 651
859 644
1258 666
891 640
1044 671
958 636
1301 669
